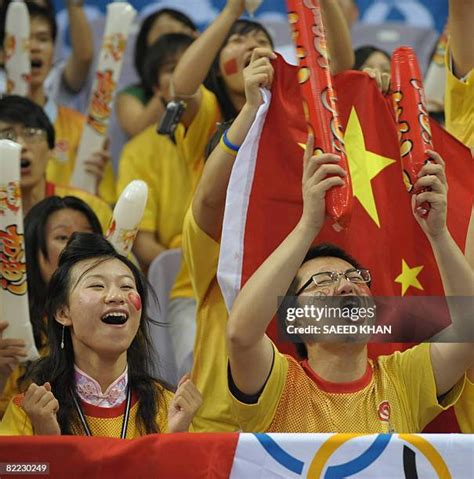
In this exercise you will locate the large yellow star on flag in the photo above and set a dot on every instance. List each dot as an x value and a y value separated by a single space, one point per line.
364 166
408 277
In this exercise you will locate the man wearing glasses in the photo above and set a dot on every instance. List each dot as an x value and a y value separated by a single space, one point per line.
337 388
25 122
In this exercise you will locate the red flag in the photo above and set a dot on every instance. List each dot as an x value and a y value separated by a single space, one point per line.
264 200
156 455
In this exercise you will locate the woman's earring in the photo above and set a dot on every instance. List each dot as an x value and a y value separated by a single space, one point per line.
62 338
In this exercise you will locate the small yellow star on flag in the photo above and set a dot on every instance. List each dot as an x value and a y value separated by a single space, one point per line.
408 277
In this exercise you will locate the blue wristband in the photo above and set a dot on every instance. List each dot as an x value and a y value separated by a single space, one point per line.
228 143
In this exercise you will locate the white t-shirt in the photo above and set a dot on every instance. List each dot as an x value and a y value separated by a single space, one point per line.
56 89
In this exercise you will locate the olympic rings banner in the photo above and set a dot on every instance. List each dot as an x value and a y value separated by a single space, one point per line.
244 456
337 456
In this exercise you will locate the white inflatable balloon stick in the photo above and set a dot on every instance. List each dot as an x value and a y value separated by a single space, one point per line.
128 214
13 282
120 16
17 49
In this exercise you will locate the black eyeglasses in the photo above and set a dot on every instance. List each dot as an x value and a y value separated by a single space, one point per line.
327 278
29 134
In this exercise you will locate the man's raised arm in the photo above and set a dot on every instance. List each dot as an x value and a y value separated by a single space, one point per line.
250 350
450 361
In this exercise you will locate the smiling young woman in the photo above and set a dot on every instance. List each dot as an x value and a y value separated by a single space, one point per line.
96 377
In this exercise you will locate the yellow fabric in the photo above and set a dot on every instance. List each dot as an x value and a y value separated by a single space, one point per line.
209 372
155 159
17 423
11 388
99 206
459 104
292 402
192 144
464 408
171 172
68 128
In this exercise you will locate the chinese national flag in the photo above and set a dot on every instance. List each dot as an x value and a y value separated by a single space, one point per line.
264 200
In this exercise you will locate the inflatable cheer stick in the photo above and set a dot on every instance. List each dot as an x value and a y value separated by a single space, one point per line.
318 92
17 49
13 285
120 16
128 213
414 129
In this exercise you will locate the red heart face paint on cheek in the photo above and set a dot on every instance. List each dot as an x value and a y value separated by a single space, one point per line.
230 67
135 299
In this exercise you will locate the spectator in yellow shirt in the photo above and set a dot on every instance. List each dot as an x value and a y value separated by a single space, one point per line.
238 53
215 60
95 379
171 172
25 122
201 236
337 389
68 123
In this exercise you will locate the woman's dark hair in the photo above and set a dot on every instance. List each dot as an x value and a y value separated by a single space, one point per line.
319 251
35 243
161 52
363 53
22 111
141 44
58 367
214 81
